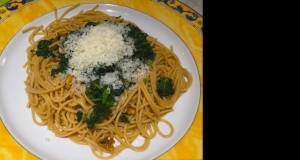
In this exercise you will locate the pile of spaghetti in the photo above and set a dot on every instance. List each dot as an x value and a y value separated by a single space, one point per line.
98 79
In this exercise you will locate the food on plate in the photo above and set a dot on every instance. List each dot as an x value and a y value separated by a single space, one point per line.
101 81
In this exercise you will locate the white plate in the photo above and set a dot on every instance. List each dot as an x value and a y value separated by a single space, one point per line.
42 142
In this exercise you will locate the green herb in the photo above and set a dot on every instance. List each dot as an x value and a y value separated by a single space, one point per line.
94 91
104 95
91 24
62 65
43 49
95 84
165 87
103 99
79 116
99 112
145 80
118 17
144 51
101 70
117 92
123 118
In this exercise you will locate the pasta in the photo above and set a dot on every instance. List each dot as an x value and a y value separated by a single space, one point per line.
56 99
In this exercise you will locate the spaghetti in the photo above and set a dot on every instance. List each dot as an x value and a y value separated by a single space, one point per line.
61 102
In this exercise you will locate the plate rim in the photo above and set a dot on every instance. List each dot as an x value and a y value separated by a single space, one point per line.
197 68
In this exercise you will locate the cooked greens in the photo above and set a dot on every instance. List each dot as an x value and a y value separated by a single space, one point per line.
44 50
99 112
79 116
62 65
123 118
144 50
165 87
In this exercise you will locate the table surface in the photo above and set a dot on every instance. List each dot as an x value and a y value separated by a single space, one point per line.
189 147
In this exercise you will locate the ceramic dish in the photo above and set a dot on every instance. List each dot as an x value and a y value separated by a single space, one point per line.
42 142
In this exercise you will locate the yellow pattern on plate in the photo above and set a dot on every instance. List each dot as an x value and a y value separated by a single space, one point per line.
191 145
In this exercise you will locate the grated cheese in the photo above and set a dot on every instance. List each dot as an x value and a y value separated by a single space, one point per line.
96 45
133 70
111 79
103 45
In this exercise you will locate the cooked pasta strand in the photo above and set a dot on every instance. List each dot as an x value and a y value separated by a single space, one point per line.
54 104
